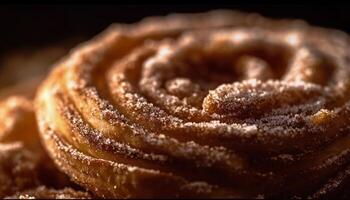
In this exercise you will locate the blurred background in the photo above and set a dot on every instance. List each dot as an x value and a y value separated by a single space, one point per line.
23 26
39 35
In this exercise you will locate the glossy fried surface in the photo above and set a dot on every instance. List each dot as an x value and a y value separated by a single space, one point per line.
218 104
24 165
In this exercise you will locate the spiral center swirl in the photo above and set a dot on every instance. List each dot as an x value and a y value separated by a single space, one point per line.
167 103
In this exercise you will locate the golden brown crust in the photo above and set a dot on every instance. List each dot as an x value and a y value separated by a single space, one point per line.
24 164
219 104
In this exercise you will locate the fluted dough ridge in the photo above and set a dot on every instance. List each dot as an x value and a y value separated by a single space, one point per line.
217 104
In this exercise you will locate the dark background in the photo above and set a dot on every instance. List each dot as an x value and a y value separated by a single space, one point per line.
26 26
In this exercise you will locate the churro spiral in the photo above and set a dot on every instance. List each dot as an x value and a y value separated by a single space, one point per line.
218 104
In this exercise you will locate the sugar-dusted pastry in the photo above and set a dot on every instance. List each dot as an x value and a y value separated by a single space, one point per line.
25 169
217 104
45 193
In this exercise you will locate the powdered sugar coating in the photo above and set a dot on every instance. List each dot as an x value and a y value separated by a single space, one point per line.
201 108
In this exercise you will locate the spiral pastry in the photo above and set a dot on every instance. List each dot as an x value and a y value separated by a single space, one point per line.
217 104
